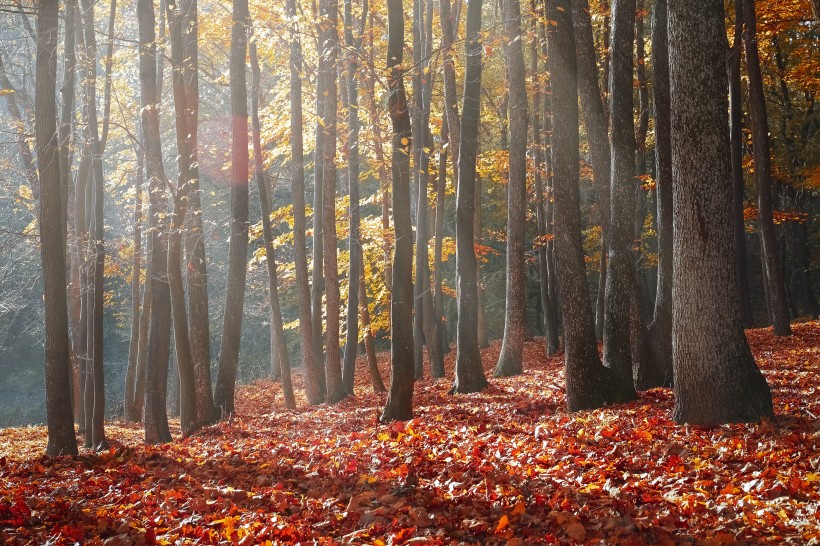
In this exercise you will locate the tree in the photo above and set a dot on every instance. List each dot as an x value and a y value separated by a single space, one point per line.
238 250
512 348
353 43
182 344
469 373
738 202
329 53
620 273
772 268
657 370
61 439
197 272
399 405
279 349
589 385
310 363
716 378
159 335
129 409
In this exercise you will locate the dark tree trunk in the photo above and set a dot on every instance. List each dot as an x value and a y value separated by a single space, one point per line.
773 272
437 369
620 277
512 347
159 337
738 202
656 371
61 439
716 378
399 404
353 44
449 30
596 126
469 373
238 250
589 385
197 272
279 349
640 131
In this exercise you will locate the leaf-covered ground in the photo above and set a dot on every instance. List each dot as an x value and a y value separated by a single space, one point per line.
506 466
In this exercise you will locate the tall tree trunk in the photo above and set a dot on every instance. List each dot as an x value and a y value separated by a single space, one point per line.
61 439
278 345
716 378
26 157
620 277
437 370
589 385
182 345
773 272
238 250
399 405
353 44
640 130
96 247
196 268
595 122
130 413
449 29
329 52
310 364
738 201
512 347
657 370
159 336
483 340
469 373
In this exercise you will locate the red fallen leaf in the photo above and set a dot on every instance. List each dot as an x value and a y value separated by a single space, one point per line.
403 535
503 523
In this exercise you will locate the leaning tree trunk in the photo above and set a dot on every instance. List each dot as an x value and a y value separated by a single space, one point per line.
716 378
620 273
310 364
512 346
238 249
772 268
469 373
61 439
159 342
589 385
656 371
278 345
399 405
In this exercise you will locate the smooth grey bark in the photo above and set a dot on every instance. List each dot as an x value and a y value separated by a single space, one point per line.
399 405
159 336
716 378
310 364
238 249
510 360
620 273
772 268
61 439
129 410
469 372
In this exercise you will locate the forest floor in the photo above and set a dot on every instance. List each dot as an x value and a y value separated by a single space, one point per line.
504 466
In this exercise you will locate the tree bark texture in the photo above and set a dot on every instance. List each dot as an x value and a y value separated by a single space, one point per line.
716 378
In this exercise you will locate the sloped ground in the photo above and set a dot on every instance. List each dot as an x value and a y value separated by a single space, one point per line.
506 466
